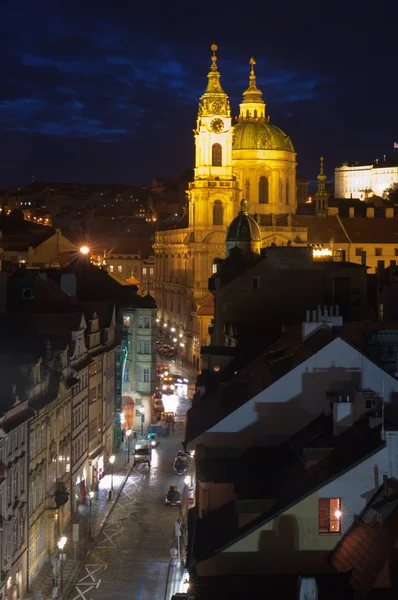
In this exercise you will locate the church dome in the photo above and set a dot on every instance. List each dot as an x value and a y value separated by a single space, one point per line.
252 135
243 228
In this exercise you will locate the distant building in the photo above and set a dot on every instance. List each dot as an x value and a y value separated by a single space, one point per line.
353 180
132 259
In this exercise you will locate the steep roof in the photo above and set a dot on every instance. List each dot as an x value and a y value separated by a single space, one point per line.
357 230
284 355
367 545
283 479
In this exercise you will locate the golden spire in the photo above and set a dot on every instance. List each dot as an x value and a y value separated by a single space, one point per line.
252 77
214 49
321 172
321 177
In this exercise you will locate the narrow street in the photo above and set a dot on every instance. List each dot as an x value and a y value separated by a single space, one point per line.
132 553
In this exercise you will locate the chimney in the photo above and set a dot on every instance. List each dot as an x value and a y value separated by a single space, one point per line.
370 212
308 316
385 486
343 415
351 212
389 213
308 589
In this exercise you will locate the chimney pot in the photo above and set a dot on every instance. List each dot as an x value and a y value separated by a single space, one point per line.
308 316
331 311
337 310
314 317
325 312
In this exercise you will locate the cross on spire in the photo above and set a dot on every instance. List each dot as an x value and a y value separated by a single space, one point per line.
214 49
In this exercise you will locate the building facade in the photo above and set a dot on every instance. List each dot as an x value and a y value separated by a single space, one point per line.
252 159
353 180
14 434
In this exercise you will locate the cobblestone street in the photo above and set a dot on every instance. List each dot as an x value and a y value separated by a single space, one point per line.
130 558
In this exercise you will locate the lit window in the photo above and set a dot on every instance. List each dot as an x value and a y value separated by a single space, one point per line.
329 515
151 271
214 268
126 321
147 322
120 268
144 271
111 268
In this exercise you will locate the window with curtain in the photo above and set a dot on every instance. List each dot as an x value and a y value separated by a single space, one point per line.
263 190
216 155
329 515
218 217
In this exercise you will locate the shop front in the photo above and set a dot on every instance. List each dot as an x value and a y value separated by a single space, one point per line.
97 470
15 584
80 489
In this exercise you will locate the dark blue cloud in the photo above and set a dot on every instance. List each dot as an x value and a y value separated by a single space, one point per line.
128 77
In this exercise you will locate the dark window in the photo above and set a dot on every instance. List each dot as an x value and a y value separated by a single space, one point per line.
396 251
287 193
255 114
263 190
255 283
379 251
27 294
218 217
216 155
329 515
380 265
358 251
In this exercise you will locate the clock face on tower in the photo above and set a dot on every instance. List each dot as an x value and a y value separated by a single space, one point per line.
217 125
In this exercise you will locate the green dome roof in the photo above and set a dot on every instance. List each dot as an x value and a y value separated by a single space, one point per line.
252 135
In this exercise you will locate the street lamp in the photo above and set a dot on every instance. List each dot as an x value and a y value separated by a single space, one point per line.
128 433
112 460
84 250
61 546
187 480
90 500
142 411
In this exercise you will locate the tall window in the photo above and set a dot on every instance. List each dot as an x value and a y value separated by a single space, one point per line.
140 347
218 217
147 322
216 155
329 515
146 375
287 192
147 348
263 190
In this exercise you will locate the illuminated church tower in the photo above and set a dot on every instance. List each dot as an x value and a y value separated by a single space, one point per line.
213 199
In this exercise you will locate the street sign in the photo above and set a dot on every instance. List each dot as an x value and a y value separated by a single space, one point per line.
75 532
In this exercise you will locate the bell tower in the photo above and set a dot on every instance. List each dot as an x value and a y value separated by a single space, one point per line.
212 194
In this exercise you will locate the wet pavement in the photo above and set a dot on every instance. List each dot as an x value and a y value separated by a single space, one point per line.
131 556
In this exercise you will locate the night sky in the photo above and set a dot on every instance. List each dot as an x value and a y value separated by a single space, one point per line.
108 91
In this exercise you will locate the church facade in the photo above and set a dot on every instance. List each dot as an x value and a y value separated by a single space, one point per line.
251 159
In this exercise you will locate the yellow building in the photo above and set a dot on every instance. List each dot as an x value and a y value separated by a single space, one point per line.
252 158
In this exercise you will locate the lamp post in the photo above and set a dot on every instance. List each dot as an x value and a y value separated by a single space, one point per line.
61 546
128 433
142 411
112 460
90 500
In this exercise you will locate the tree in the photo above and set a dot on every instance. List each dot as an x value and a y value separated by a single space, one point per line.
391 194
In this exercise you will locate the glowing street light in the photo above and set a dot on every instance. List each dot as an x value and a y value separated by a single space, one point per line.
182 344
90 500
180 335
187 480
84 250
174 340
172 329
338 514
61 546
112 460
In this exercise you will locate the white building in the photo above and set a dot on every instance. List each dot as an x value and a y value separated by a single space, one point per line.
363 181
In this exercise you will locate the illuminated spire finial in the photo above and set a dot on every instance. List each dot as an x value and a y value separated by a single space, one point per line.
214 49
252 62
321 173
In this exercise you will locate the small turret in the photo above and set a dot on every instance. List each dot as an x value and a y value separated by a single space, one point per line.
244 232
321 196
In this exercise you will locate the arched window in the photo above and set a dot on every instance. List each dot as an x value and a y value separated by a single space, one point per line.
247 113
218 213
287 193
255 114
216 155
263 190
